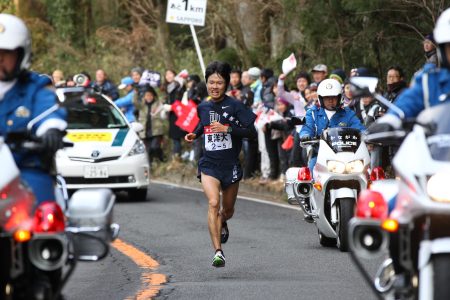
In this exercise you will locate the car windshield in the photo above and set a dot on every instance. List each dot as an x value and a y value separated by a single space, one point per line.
437 123
342 139
96 114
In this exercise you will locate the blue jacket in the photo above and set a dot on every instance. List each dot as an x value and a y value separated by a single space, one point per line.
411 101
317 121
126 103
107 88
26 100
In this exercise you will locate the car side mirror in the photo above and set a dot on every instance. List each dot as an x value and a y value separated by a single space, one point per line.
137 127
363 86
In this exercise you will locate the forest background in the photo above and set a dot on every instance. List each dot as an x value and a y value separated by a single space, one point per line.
116 35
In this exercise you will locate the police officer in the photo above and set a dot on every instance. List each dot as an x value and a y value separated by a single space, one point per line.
24 95
329 115
430 87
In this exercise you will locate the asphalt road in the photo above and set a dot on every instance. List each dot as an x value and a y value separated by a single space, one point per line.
271 254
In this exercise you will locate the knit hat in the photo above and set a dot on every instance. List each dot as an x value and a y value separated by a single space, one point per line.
283 101
137 70
429 37
339 75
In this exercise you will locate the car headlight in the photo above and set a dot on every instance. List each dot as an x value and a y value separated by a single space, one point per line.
356 166
335 166
437 187
138 148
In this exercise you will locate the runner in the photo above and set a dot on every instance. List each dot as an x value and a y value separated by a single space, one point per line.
224 122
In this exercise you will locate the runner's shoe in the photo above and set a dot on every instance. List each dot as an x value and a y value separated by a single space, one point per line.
225 233
218 259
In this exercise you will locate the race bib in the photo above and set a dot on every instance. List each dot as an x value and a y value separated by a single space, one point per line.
215 141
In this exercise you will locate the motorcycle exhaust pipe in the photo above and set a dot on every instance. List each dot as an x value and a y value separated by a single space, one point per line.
366 238
48 253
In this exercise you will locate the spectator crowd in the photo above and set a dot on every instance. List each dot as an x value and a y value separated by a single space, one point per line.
277 146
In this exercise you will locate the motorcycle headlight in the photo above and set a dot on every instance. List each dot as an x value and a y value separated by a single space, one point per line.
138 148
335 166
437 187
356 166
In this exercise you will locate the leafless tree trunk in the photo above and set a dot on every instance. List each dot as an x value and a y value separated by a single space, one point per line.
151 13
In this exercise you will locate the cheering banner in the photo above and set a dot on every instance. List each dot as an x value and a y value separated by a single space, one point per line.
186 114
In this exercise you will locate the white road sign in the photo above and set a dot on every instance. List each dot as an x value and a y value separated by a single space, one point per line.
190 12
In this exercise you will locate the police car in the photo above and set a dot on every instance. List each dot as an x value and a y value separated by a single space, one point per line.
107 151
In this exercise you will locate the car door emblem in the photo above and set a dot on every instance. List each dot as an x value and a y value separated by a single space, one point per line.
95 154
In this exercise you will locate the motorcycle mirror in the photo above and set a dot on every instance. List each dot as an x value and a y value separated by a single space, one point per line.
72 94
366 86
363 86
390 138
297 120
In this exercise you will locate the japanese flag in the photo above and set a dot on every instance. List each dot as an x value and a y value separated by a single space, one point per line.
289 64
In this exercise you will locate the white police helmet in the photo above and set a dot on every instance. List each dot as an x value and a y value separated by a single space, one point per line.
14 34
441 35
329 88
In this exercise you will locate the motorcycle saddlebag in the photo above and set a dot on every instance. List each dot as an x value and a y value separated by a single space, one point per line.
90 217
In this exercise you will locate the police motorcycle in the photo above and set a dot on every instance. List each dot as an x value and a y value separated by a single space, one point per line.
340 174
40 244
413 239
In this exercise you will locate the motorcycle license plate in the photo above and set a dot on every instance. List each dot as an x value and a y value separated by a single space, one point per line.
96 172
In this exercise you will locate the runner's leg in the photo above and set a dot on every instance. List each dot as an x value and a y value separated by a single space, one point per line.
229 196
211 187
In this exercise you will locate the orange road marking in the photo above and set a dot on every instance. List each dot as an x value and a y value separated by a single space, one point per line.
151 281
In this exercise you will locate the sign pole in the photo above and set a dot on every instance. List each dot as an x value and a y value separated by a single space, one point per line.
197 47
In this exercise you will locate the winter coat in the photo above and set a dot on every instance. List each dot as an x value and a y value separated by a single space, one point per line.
174 92
151 117
317 121
126 105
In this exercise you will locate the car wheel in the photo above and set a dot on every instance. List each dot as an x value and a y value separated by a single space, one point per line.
137 195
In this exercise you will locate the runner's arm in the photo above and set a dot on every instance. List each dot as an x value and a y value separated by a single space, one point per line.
248 132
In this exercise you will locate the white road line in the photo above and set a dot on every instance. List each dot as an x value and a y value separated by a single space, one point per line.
241 197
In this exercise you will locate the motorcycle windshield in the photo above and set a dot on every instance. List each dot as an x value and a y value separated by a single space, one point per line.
342 139
437 122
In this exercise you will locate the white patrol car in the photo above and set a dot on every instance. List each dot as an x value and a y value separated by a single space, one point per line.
107 151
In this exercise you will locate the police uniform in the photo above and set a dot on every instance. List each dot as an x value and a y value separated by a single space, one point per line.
221 157
430 87
317 121
27 99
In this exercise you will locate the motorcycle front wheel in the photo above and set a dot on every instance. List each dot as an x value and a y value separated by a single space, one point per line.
345 210
441 276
